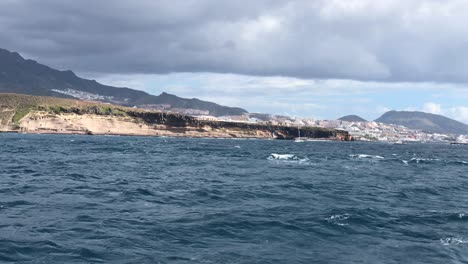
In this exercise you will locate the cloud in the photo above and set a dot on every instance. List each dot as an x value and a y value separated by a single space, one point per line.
315 98
321 58
382 109
432 108
459 113
385 41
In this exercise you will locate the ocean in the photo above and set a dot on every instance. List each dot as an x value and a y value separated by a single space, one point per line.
110 199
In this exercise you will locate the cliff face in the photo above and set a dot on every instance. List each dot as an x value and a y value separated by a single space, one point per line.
44 115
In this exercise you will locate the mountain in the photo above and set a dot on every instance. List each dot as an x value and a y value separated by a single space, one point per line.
426 122
352 118
18 75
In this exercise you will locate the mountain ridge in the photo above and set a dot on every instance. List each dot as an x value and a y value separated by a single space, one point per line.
352 118
24 76
426 122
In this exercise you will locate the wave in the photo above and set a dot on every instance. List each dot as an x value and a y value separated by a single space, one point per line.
338 219
429 218
458 162
433 160
422 160
286 157
448 241
368 217
274 156
419 161
366 156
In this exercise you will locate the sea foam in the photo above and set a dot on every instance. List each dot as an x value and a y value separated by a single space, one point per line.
286 157
339 219
275 156
448 241
459 162
366 156
421 160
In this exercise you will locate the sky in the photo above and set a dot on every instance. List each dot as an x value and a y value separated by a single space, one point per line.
308 58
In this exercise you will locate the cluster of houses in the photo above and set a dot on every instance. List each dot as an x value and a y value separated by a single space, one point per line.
365 131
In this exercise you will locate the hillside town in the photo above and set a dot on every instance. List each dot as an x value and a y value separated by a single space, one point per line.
374 131
361 131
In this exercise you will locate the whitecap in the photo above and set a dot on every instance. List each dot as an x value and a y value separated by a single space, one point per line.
447 241
422 160
419 160
274 156
287 157
237 147
339 219
366 156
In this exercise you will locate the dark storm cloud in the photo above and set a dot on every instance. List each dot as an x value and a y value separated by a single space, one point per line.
363 40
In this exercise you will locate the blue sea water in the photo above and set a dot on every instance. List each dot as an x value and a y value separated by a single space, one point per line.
98 199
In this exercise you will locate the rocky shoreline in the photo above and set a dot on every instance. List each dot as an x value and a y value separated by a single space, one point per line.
43 115
89 124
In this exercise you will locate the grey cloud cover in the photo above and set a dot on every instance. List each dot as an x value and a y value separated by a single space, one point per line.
394 41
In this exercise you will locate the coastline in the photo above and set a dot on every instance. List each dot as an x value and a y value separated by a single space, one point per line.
38 122
50 115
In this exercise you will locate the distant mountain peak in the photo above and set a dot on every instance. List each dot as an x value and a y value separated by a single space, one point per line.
9 54
69 73
352 118
426 122
30 77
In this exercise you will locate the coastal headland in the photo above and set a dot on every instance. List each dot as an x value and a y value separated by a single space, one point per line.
50 115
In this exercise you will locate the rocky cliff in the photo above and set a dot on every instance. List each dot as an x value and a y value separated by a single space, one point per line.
35 114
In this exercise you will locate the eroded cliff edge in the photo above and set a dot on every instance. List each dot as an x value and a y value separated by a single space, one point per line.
35 114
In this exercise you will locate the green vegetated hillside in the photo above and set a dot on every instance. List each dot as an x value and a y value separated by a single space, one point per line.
17 106
13 107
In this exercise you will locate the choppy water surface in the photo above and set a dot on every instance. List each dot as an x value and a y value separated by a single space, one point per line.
91 199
